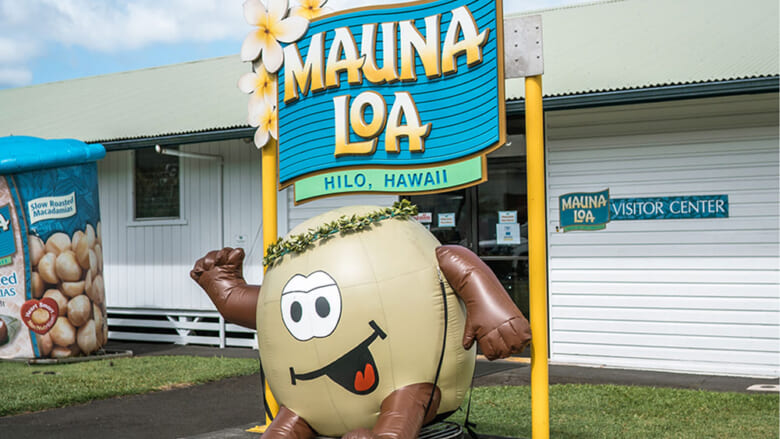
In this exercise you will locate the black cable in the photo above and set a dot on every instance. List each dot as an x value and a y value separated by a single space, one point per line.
443 342
262 390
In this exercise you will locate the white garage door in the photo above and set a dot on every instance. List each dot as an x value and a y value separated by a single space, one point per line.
693 295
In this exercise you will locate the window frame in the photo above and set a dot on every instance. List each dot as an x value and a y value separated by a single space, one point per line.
132 221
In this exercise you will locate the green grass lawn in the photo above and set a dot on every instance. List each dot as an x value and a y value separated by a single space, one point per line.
576 411
602 411
26 388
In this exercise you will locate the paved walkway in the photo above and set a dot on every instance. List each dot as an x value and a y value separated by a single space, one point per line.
225 409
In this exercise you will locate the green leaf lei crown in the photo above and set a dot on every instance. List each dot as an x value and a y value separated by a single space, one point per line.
298 243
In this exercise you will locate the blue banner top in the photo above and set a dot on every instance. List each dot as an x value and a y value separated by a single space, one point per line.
23 153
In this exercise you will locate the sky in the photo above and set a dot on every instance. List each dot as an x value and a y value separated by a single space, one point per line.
53 40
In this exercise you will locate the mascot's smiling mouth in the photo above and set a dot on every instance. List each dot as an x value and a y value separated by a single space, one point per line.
354 371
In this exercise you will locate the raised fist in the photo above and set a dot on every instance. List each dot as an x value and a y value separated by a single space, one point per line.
220 274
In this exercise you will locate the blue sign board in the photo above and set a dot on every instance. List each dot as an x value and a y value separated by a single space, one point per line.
680 207
392 88
593 210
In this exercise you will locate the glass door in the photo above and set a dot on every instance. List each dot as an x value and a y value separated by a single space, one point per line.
449 216
502 219
491 219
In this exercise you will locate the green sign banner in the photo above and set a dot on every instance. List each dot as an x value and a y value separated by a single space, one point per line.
391 180
584 210
593 210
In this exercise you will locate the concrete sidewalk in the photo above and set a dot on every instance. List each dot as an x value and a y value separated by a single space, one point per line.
226 408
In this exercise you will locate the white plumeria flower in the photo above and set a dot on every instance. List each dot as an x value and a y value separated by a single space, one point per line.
272 28
261 84
265 118
311 9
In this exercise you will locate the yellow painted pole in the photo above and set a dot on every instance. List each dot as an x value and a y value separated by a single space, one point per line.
270 234
537 260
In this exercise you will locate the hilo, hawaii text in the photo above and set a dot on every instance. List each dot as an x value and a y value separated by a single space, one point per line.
413 180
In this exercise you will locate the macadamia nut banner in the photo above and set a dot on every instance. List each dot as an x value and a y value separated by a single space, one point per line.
52 294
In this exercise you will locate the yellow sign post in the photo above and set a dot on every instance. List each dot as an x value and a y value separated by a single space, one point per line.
537 260
525 59
270 234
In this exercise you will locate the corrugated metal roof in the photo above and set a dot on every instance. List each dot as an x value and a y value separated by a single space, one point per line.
616 45
179 98
610 45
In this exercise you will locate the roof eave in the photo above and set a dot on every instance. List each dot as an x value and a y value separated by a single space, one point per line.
210 135
652 94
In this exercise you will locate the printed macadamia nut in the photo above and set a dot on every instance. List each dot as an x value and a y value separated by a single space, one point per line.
98 291
79 310
58 243
60 352
63 333
99 254
89 233
87 337
36 249
62 301
101 326
82 253
75 350
44 344
74 241
40 316
97 315
37 285
67 267
88 283
93 263
46 268
73 289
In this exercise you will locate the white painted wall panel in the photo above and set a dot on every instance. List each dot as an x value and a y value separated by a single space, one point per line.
692 295
147 266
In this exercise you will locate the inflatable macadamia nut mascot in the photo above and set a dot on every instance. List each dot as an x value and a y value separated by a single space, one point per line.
365 322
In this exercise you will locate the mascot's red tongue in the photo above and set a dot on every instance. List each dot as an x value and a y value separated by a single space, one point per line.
365 379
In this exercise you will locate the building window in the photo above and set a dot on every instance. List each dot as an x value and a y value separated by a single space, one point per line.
156 186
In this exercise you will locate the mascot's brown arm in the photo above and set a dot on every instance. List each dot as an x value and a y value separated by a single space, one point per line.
288 425
491 316
403 413
220 273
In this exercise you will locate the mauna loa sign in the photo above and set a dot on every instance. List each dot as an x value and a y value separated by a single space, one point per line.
403 99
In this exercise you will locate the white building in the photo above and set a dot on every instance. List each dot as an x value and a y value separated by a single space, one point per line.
646 99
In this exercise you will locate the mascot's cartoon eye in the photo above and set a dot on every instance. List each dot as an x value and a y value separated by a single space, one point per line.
323 307
296 312
311 305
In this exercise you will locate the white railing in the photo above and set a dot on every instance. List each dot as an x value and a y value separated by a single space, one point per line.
177 326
